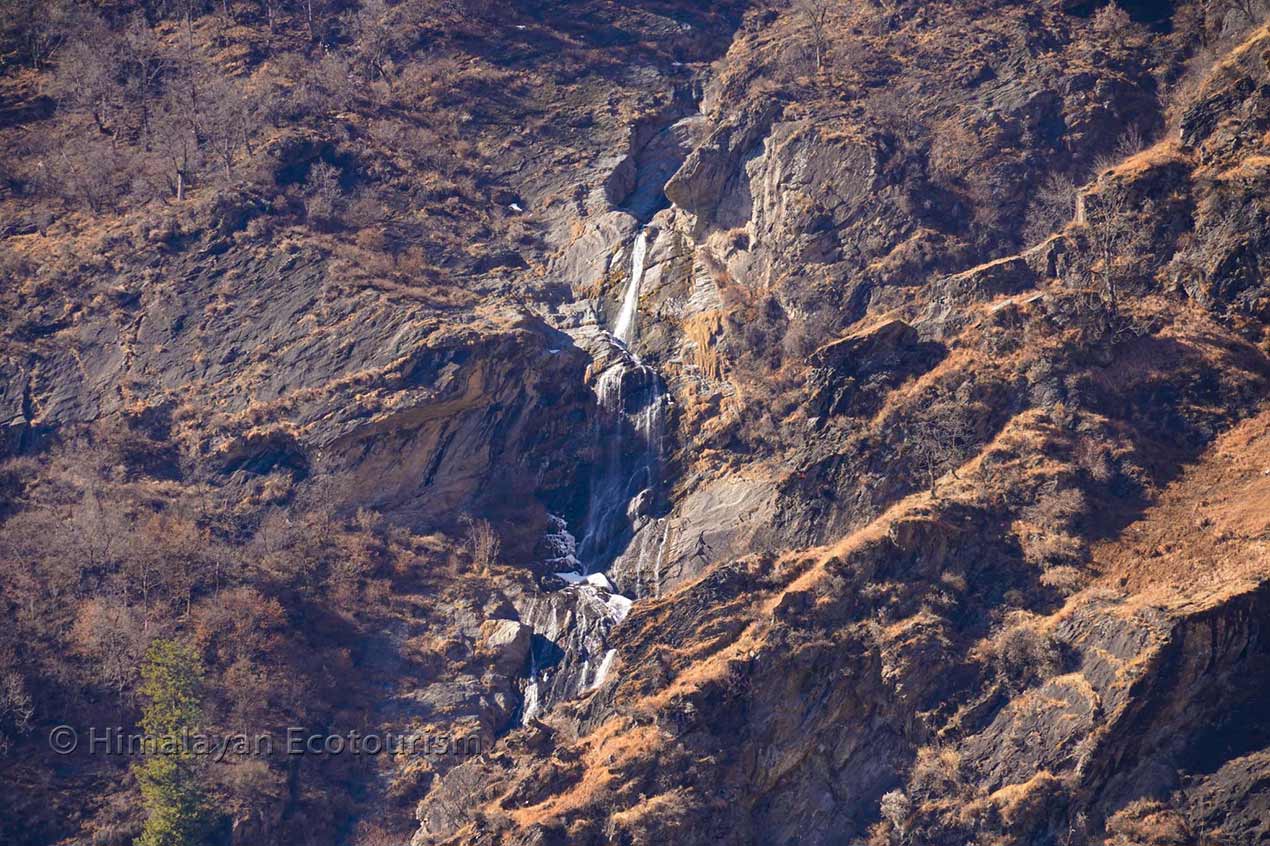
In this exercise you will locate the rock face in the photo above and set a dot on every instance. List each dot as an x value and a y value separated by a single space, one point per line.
966 651
853 373
509 641
442 413
795 452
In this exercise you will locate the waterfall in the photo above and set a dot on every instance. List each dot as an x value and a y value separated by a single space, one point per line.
625 477
570 654
624 328
661 551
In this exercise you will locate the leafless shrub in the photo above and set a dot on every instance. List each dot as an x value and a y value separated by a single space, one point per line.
936 772
1056 509
16 709
1146 822
1053 206
482 542
88 171
16 705
1094 458
804 334
1064 579
1047 549
1021 651
1113 23
1130 142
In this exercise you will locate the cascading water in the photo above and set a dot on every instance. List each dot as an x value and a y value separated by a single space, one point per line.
570 654
631 402
624 327
624 481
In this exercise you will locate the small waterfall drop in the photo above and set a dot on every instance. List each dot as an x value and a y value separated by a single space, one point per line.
570 654
626 476
624 327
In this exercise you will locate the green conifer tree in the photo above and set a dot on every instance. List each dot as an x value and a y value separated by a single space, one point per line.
178 813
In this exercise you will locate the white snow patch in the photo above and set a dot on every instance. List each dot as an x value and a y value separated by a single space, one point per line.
601 581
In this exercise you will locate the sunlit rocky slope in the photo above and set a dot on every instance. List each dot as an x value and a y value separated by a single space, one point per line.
752 423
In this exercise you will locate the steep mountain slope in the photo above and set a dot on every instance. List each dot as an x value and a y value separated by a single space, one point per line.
942 666
747 423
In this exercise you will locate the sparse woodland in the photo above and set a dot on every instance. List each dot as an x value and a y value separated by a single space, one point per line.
281 285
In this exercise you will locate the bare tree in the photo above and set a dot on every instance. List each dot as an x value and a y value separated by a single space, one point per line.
177 549
178 128
90 171
1053 205
483 543
314 12
941 438
141 66
85 79
110 633
1109 227
376 38
815 15
225 118
99 532
270 10
36 27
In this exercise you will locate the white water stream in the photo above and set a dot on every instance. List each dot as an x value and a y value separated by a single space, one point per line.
624 483
624 328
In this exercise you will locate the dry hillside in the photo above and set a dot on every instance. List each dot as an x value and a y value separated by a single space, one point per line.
778 422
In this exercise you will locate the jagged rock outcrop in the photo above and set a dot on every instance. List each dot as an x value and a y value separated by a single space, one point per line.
949 645
874 430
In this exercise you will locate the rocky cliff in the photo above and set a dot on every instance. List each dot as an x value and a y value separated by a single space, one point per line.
866 401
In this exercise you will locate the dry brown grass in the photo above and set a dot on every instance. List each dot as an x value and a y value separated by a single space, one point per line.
703 330
1017 802
1208 534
